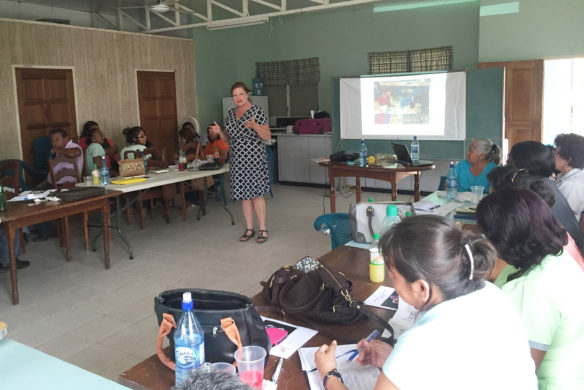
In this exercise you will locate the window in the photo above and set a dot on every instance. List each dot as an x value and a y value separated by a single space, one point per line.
423 60
291 86
563 98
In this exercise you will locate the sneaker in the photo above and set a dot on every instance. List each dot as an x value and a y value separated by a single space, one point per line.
20 264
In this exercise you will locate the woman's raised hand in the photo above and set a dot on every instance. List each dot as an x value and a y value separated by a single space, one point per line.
374 352
251 124
325 358
215 129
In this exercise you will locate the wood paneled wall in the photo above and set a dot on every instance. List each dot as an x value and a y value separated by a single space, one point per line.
104 67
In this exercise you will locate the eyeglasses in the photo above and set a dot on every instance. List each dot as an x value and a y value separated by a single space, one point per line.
141 136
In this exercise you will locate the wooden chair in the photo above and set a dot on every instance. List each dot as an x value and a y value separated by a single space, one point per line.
10 179
165 193
70 172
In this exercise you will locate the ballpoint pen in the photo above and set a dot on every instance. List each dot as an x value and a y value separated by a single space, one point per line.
371 336
277 371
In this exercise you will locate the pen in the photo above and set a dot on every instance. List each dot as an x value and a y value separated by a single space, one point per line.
371 336
277 371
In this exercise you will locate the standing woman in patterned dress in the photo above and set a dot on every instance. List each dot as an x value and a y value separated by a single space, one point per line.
246 129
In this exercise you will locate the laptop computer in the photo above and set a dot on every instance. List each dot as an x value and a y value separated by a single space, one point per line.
404 158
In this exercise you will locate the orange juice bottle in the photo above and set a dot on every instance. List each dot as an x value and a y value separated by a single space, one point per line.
376 263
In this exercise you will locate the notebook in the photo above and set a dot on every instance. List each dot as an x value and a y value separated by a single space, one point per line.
404 158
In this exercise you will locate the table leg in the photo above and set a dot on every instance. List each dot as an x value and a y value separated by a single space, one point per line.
357 189
67 233
118 221
223 198
183 202
12 256
393 181
417 186
332 194
105 216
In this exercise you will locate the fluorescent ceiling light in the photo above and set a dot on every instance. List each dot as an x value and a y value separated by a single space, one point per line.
236 22
419 4
500 9
159 7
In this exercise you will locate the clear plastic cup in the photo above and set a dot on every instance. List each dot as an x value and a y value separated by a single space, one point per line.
223 367
477 193
250 364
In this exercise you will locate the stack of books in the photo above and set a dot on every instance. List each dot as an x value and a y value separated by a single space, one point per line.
466 215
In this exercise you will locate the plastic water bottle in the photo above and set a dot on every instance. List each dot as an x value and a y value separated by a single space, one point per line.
376 263
2 198
363 154
104 175
145 163
451 183
415 147
391 218
189 342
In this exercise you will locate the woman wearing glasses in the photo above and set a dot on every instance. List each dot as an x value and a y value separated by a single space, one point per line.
482 156
569 157
137 141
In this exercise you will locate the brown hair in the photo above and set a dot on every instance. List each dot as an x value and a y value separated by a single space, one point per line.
240 84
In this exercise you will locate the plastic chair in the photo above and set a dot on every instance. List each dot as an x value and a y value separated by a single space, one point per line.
23 168
337 225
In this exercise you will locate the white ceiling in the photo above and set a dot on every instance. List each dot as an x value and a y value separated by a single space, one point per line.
136 15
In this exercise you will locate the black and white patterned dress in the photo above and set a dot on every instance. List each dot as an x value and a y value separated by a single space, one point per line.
249 164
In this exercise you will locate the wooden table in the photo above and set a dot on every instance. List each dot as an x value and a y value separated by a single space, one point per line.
353 262
392 174
21 214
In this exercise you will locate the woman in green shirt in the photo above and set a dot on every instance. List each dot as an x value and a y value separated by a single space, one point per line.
546 285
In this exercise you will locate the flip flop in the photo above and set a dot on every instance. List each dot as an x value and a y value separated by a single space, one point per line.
246 236
262 236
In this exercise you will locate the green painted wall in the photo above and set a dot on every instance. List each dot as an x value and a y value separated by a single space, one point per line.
341 39
542 28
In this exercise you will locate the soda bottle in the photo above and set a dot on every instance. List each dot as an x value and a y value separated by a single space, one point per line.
363 154
376 263
104 175
2 198
415 148
451 183
391 218
189 342
95 175
182 159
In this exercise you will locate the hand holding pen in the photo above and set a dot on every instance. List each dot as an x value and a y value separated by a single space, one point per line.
371 336
374 352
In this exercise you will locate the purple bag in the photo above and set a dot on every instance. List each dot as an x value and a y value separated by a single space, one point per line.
313 126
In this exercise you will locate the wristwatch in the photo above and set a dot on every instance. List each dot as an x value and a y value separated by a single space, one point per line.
332 372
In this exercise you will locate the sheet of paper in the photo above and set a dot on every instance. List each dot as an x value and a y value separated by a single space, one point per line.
297 337
404 318
384 297
354 376
425 205
31 195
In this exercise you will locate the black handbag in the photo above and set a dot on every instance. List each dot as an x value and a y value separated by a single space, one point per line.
210 307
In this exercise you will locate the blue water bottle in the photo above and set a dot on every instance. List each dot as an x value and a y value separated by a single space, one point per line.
451 183
189 342
104 176
363 154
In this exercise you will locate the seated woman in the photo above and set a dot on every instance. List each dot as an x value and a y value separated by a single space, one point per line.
481 157
94 151
534 158
569 157
216 147
189 144
137 141
468 336
548 288
111 150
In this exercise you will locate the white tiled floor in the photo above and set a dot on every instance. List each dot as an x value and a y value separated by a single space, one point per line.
104 321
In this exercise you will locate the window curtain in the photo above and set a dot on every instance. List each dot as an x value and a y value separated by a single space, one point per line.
422 60
294 72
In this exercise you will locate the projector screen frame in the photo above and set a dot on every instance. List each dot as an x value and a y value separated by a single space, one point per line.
450 127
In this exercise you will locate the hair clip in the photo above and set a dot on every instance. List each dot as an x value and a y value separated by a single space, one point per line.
521 170
470 259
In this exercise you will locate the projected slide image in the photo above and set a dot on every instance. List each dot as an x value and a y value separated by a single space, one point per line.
405 102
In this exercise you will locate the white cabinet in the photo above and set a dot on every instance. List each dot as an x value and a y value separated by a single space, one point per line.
295 154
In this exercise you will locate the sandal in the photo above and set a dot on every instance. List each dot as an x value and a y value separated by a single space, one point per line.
249 233
262 236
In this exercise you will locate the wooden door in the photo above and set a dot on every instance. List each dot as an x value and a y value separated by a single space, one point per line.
157 100
523 99
46 101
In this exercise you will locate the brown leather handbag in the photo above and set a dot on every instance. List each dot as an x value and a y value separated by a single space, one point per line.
311 290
